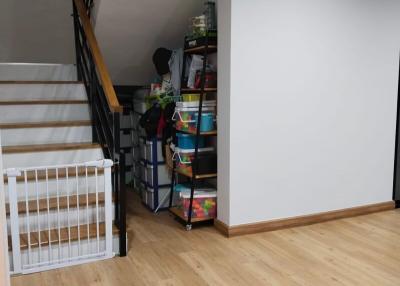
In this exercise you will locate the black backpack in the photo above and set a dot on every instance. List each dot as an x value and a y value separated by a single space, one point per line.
149 120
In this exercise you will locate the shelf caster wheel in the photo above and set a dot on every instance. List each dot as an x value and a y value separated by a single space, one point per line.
188 227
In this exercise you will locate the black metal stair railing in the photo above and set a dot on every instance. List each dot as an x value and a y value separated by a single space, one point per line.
104 116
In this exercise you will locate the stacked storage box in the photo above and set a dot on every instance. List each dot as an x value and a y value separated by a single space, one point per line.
151 176
139 141
126 132
156 176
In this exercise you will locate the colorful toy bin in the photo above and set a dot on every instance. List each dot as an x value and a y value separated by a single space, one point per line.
186 116
187 141
185 157
204 204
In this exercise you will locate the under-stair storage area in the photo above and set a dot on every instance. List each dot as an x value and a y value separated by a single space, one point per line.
175 126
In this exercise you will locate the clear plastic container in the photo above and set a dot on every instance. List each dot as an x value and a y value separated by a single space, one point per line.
191 97
204 204
186 118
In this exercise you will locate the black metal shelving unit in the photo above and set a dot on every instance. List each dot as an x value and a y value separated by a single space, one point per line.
204 49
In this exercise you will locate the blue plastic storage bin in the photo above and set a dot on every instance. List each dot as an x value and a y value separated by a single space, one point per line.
186 141
207 121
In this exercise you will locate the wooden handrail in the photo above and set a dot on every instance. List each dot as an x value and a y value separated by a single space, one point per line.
98 58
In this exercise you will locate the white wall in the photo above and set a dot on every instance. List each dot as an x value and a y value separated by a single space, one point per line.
36 31
313 92
224 90
129 31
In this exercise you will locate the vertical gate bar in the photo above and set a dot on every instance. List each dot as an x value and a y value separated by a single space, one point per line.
97 212
87 207
154 149
58 215
38 215
27 216
117 166
108 208
68 218
48 213
13 201
77 209
122 206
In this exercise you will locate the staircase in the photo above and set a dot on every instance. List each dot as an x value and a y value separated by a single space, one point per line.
46 133
64 170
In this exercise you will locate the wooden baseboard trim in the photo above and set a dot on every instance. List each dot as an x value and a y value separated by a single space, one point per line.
221 227
231 231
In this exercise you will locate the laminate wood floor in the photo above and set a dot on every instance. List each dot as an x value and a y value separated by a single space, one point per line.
356 251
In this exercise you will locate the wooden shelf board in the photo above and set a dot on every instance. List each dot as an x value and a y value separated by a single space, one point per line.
177 212
208 133
204 176
197 90
201 49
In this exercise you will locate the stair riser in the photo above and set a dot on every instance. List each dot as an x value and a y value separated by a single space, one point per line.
51 158
63 190
39 72
14 92
31 136
44 219
43 113
62 252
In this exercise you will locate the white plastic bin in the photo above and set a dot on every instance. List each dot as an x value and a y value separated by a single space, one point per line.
162 194
143 172
125 121
136 153
137 170
149 152
141 93
128 177
139 106
128 159
126 140
142 148
163 175
143 193
136 119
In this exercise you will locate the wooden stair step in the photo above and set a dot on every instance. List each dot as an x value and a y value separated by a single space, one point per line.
52 174
49 147
42 102
49 124
54 239
41 205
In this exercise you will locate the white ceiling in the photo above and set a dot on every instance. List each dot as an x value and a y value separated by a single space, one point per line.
129 31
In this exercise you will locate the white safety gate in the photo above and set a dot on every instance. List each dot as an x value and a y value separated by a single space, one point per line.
59 215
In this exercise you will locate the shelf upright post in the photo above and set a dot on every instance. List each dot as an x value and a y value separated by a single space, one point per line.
198 134
155 184
173 180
